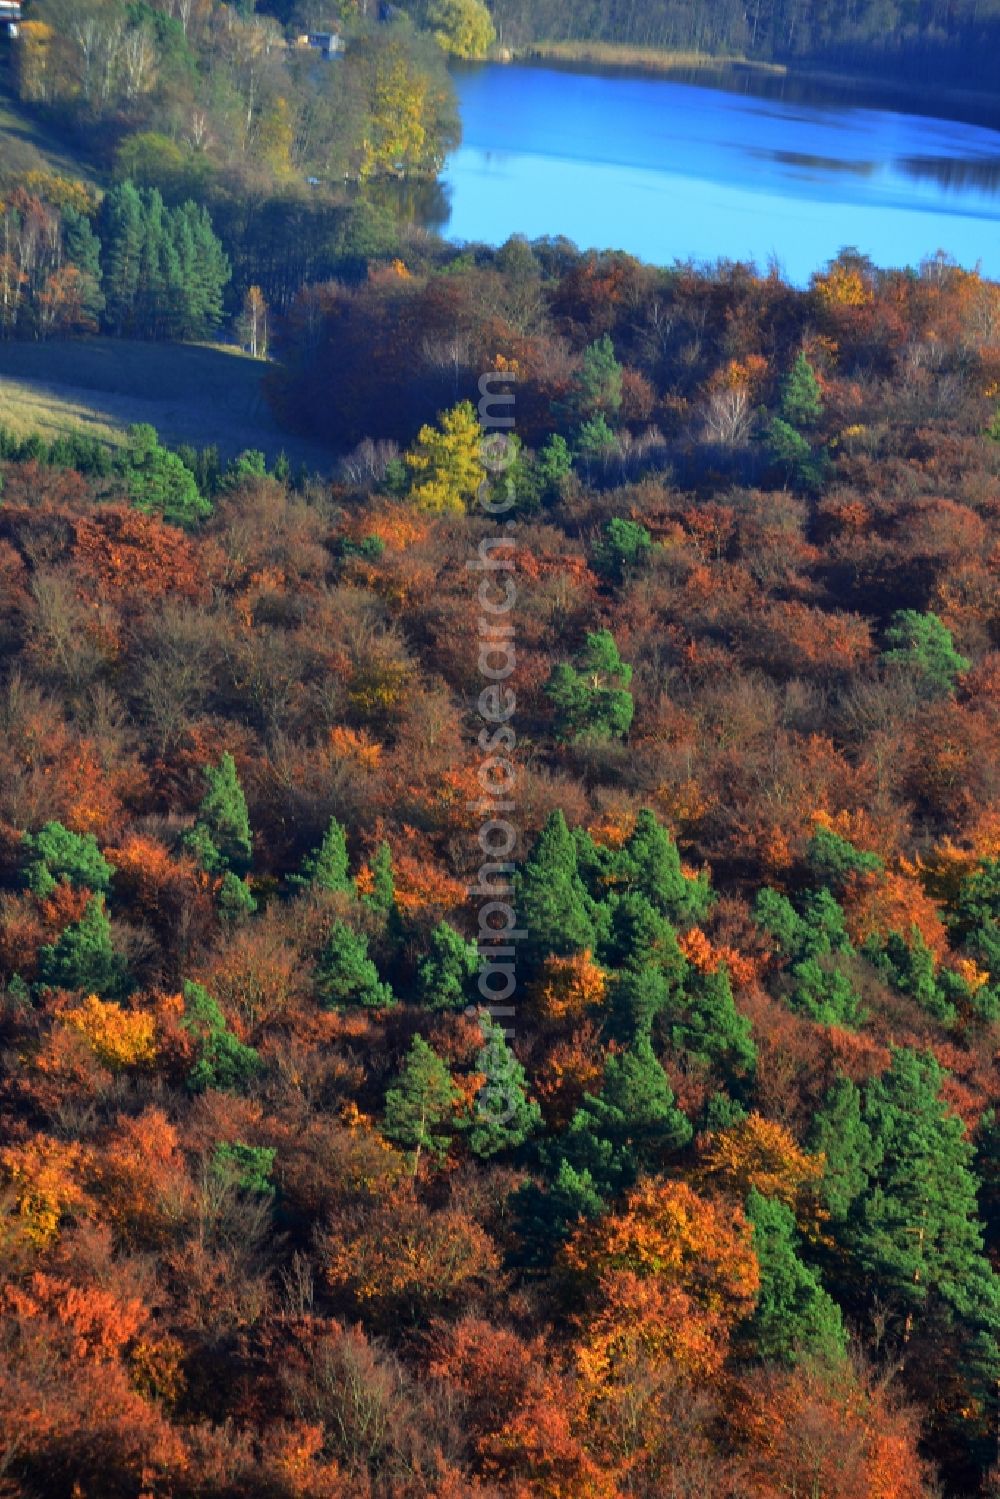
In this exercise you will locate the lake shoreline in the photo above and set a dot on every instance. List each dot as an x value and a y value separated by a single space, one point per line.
973 105
616 55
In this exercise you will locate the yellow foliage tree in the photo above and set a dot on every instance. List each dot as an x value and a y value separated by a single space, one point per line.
120 1038
761 1153
33 56
462 27
44 1175
276 137
843 286
405 109
567 988
60 191
445 465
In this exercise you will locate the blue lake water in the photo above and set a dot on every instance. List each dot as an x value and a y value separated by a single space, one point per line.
670 170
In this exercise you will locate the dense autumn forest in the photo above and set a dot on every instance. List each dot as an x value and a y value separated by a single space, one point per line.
710 1205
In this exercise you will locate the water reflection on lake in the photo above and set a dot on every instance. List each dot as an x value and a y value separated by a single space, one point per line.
668 169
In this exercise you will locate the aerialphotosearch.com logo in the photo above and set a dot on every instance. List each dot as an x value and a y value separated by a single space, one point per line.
495 563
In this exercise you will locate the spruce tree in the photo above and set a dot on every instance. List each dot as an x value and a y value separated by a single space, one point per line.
346 975
839 1131
382 896
549 897
503 1116
650 863
83 249
636 936
634 1117
639 996
83 957
122 234
915 1231
212 271
795 1316
159 270
446 974
182 280
223 1061
712 1030
801 401
327 867
220 838
420 1110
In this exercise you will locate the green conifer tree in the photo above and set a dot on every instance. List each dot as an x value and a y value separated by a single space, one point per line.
623 550
832 860
122 235
83 956
382 897
447 972
597 385
545 1212
840 1133
221 838
801 401
327 867
504 1118
346 975
83 249
922 645
158 482
649 862
246 1167
591 699
549 896
975 923
550 471
235 898
639 996
54 854
814 940
795 1316
915 1231
223 1062
420 1110
631 1126
711 1028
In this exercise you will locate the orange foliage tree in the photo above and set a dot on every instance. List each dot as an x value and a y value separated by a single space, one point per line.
763 1154
672 1272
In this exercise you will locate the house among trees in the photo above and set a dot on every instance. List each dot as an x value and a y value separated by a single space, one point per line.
326 43
10 17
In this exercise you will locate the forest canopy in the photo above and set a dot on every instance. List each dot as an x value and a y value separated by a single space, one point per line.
286 1210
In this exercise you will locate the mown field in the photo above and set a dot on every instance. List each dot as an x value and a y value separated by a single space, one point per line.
199 394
